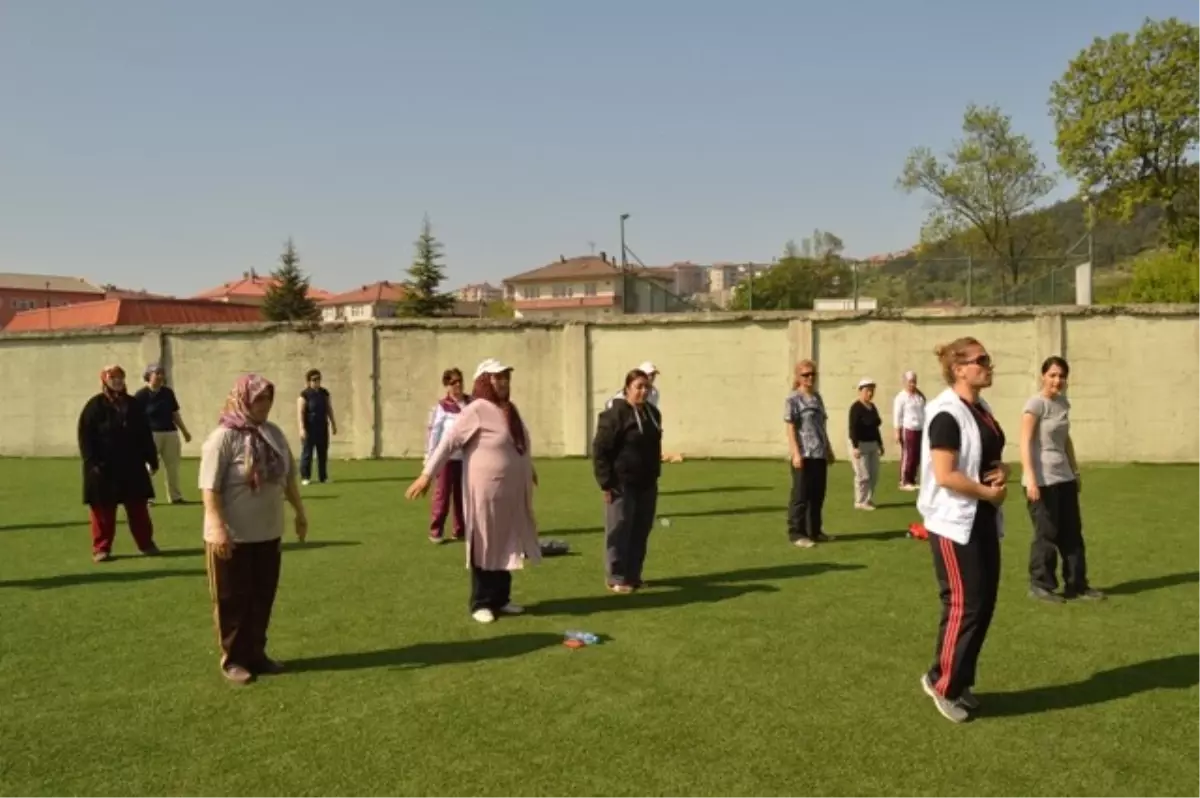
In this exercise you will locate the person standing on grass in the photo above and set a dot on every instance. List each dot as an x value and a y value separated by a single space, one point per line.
314 410
963 485
627 460
866 445
119 459
161 407
246 472
449 488
908 419
499 479
811 455
1050 475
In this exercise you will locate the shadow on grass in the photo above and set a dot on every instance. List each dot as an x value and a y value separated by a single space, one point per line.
1135 586
684 590
98 577
423 655
719 489
291 545
399 479
891 534
715 513
1169 673
43 525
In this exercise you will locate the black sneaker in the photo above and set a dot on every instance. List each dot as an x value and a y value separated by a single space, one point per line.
1042 594
151 551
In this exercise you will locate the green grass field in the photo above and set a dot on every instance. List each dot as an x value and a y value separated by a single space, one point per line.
749 668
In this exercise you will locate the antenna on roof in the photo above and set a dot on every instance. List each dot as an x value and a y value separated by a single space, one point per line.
592 246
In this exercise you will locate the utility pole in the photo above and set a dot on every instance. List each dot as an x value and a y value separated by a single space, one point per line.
854 271
750 269
970 278
624 268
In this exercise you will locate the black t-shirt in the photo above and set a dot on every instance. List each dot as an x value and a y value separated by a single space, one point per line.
944 433
159 406
864 424
316 408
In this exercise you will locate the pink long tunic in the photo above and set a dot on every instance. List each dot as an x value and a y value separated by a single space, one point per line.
497 490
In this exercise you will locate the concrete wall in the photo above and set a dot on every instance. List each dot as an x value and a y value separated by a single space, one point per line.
1135 382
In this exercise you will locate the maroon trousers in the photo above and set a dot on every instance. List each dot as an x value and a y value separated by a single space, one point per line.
104 525
449 490
243 591
910 456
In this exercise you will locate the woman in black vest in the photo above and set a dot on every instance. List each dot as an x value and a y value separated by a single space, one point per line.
316 421
627 453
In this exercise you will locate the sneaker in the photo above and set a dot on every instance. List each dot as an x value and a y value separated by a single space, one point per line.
484 615
620 589
180 500
268 666
952 711
151 551
306 482
237 674
1042 594
968 700
511 609
803 543
101 556
436 539
1087 594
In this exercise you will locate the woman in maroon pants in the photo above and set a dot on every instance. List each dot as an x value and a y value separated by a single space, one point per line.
449 488
119 457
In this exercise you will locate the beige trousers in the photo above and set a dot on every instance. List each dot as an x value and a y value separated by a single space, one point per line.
169 452
866 472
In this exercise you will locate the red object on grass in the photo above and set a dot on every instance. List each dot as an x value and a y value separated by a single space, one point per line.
917 530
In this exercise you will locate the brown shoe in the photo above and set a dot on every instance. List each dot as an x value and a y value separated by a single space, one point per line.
237 674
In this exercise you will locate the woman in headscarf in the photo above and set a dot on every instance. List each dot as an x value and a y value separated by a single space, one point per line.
449 490
246 472
119 457
498 495
908 419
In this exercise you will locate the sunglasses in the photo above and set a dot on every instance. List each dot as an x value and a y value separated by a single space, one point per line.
807 374
983 361
456 382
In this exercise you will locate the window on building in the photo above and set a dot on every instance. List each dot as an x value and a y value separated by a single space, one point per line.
358 311
24 304
564 291
530 292
589 289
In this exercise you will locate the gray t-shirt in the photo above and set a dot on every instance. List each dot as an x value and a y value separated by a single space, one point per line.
807 415
250 516
1048 450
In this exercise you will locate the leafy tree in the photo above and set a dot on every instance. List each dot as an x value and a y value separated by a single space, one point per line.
822 244
794 282
287 297
1126 118
421 295
988 182
1165 276
498 309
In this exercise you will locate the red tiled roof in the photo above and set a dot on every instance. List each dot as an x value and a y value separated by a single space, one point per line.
129 311
585 267
48 282
253 286
383 291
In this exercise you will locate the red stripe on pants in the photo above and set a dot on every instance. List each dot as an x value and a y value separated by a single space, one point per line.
957 602
103 518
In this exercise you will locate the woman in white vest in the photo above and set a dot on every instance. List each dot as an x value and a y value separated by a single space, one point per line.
963 484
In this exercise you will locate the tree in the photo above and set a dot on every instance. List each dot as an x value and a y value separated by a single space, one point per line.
988 182
421 295
287 297
1125 112
1165 276
822 244
793 282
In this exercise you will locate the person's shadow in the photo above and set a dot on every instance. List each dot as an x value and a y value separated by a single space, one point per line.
423 655
680 591
1169 673
97 577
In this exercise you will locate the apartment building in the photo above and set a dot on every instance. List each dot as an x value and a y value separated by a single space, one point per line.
590 286
19 292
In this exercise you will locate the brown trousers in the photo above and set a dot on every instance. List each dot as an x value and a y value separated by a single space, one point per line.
243 589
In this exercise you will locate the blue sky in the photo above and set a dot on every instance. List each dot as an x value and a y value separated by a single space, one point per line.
172 145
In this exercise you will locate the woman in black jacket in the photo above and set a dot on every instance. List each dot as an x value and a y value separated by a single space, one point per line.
119 457
627 453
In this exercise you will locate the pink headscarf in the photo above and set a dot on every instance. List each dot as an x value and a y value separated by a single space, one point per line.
264 462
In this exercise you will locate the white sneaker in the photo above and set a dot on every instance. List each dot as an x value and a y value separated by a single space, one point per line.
484 615
306 482
512 609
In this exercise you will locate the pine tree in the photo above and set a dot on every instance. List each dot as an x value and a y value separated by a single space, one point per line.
421 295
287 297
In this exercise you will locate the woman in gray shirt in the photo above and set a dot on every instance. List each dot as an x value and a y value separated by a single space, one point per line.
1050 476
808 444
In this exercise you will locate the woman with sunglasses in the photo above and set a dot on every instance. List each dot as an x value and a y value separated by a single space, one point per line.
811 454
449 489
963 485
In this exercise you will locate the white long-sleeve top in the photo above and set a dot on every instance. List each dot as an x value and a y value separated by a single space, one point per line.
908 411
440 422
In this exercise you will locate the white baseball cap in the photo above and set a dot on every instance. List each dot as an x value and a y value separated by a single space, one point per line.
649 368
491 366
864 382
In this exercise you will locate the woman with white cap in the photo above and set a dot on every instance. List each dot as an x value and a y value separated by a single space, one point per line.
499 478
866 445
908 419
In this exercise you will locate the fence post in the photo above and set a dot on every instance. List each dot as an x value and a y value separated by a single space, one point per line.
970 278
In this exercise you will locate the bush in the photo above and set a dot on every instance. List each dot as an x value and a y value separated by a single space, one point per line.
1165 275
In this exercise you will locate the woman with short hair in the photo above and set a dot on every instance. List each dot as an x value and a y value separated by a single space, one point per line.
450 478
1050 475
499 478
908 419
119 457
314 410
627 461
866 444
811 455
246 472
963 485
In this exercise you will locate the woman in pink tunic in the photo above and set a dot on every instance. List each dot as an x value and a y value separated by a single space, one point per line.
498 478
